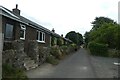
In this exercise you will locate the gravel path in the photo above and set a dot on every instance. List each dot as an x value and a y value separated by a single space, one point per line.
77 65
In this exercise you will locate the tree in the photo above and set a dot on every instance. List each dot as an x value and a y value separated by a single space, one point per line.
86 38
79 39
99 21
104 31
75 37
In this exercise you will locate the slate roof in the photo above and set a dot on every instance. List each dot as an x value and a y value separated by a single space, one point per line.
7 13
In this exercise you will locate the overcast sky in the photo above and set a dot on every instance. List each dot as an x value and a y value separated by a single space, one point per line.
65 15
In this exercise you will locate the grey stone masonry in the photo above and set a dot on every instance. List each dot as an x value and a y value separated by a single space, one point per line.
33 50
17 57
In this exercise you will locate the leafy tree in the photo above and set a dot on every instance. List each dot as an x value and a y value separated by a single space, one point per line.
75 37
99 21
86 38
79 39
104 31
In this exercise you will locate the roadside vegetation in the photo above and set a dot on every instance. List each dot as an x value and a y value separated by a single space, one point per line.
59 49
104 37
59 52
12 73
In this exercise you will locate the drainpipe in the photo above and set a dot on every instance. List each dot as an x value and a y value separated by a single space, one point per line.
1 46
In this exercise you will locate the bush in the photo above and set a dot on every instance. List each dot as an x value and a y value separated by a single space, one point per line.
12 73
51 59
98 49
59 41
64 50
114 53
73 47
55 51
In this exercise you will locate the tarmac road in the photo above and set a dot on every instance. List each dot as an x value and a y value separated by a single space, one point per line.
77 65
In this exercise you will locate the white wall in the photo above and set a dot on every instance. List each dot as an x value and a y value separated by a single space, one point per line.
119 12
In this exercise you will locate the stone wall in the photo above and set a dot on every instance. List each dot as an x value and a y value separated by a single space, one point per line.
35 56
16 55
33 50
43 53
13 58
37 52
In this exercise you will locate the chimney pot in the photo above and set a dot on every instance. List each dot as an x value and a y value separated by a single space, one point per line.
16 10
61 35
53 30
16 6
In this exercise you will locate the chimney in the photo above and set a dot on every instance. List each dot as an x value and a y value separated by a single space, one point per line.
61 35
16 10
53 30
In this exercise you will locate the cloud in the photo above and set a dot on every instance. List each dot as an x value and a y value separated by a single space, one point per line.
65 15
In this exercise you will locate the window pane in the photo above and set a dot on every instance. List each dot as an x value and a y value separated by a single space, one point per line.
21 33
43 37
9 31
40 36
37 37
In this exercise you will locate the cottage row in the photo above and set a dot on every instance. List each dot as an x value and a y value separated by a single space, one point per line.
17 27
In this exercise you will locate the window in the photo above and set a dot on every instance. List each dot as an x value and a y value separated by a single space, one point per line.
22 32
9 31
40 36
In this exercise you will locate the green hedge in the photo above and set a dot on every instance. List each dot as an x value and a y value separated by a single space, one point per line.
98 49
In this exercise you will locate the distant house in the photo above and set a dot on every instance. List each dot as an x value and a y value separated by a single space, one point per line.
17 27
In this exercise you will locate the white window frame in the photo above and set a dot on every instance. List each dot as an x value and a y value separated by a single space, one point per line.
43 35
23 27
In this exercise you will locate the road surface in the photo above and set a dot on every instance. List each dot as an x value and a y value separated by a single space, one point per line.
77 65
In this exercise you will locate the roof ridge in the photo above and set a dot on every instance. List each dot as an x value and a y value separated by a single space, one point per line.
28 21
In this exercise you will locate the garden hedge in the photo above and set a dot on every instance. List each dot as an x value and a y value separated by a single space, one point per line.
98 49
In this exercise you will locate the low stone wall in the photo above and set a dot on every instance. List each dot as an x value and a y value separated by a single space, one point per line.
15 56
35 56
33 50
18 45
37 52
43 53
15 45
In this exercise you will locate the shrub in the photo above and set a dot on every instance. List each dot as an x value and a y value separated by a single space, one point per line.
55 51
98 49
73 47
64 50
59 41
114 53
51 59
12 73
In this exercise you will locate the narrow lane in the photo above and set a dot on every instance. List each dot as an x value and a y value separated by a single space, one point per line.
77 65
